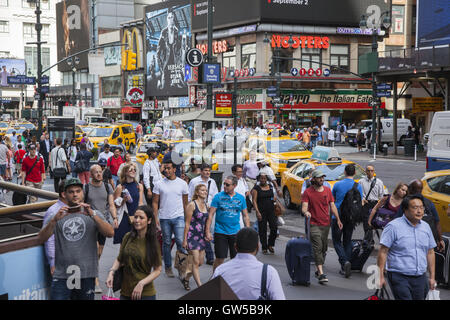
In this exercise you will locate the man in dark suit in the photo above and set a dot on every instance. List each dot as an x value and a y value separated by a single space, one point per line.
45 146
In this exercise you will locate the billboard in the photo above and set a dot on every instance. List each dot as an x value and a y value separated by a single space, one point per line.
73 31
11 68
342 13
168 38
433 23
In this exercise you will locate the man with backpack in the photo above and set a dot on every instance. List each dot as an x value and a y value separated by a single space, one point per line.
59 164
33 171
348 197
18 157
99 195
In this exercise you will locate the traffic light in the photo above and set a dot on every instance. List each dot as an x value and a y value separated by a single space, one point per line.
124 59
271 71
131 60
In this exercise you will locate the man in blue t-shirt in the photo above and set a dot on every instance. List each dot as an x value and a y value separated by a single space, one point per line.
342 238
229 206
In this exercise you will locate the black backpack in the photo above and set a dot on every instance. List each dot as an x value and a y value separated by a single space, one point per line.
342 129
351 207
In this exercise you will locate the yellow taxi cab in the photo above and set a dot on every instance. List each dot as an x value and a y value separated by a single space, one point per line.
280 153
9 131
3 127
112 132
436 187
187 148
149 137
81 129
279 133
326 160
26 125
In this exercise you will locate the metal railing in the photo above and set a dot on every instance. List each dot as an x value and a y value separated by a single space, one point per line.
414 58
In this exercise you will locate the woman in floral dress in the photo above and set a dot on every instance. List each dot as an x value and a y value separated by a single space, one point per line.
194 232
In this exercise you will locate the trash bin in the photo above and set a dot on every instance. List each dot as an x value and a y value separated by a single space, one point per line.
217 176
409 146
385 149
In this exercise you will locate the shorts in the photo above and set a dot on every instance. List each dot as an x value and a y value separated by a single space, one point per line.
223 242
2 169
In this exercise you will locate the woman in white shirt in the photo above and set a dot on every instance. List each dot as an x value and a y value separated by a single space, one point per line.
72 152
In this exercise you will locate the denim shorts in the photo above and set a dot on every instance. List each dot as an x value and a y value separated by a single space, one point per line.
2 169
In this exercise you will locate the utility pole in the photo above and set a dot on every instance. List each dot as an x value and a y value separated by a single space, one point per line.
209 88
235 118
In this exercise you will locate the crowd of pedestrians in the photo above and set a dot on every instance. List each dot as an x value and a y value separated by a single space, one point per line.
146 212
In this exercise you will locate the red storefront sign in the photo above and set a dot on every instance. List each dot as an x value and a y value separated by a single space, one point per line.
310 42
131 110
224 105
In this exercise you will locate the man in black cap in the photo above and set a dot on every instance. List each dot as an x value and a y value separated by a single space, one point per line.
76 226
243 273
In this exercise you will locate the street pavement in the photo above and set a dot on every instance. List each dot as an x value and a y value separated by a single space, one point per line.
391 171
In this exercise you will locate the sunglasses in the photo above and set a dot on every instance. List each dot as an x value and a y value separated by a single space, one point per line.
226 184
132 170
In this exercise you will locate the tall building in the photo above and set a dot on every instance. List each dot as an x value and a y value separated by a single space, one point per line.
17 28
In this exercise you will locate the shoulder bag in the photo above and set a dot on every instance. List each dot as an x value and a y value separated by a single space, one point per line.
118 275
59 172
383 216
264 294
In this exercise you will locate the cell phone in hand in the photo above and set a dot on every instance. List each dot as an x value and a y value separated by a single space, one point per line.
74 209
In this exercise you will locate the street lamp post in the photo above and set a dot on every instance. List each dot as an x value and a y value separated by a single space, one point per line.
375 25
73 63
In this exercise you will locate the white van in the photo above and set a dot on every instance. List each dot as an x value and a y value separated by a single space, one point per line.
387 130
438 154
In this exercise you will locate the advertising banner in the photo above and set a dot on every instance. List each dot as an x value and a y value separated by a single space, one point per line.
73 31
224 105
433 23
25 275
342 13
168 37
427 104
11 68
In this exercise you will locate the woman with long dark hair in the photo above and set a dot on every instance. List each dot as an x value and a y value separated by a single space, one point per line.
264 203
141 258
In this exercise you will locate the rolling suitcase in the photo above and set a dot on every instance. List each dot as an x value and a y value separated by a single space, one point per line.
298 260
361 250
442 262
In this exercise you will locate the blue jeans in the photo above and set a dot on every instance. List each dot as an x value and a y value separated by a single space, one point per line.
72 167
60 291
342 241
115 179
408 287
169 227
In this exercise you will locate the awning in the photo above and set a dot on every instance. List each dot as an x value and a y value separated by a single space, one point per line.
198 115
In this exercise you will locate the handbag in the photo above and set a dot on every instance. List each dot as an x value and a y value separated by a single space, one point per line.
183 263
380 294
279 208
110 295
118 275
59 172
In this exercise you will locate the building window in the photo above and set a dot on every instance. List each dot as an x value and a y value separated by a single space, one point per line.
3 3
31 59
111 86
363 49
229 59
29 30
340 57
45 4
285 64
398 17
4 27
314 56
248 56
394 52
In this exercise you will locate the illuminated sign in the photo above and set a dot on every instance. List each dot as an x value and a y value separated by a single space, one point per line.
218 47
310 42
132 41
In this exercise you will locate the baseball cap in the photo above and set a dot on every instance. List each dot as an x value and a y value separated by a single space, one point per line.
102 162
318 174
72 182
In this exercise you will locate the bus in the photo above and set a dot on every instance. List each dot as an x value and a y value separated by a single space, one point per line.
438 154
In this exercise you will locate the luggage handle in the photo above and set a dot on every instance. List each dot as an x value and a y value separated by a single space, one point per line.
308 228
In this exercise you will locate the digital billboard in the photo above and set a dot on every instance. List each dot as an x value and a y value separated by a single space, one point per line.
168 38
11 68
342 13
433 23
73 31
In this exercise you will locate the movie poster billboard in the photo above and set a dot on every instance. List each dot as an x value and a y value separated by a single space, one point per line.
73 31
433 23
11 68
168 38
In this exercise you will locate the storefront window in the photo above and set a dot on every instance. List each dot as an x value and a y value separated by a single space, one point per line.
340 57
248 56
313 55
111 86
229 59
